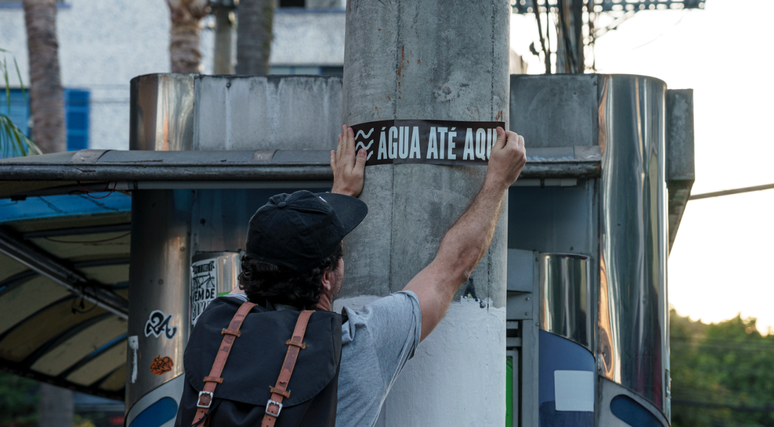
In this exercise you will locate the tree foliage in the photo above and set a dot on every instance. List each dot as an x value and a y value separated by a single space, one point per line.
722 374
18 400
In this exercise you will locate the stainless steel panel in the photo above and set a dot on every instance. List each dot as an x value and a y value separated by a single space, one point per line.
680 135
681 171
267 112
554 111
565 297
633 323
173 389
520 266
161 112
607 391
553 219
220 217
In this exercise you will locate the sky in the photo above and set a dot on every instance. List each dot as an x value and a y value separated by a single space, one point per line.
722 259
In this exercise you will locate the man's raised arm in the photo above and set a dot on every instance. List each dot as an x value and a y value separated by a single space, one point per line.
466 242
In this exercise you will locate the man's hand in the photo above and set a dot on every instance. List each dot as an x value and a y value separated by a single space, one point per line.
507 159
348 168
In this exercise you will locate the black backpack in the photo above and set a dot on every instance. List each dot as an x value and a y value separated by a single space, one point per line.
258 351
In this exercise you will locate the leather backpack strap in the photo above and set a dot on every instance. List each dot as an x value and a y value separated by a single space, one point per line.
206 396
280 391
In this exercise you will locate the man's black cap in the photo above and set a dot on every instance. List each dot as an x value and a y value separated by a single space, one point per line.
299 230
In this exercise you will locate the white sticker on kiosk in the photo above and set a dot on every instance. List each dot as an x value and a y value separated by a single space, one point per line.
203 286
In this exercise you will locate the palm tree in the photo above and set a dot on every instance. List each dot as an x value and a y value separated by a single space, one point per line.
46 99
254 36
184 42
48 128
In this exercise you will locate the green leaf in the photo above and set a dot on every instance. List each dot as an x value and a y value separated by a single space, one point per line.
21 82
13 142
7 85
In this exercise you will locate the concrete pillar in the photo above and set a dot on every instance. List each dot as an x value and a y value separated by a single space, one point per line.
444 60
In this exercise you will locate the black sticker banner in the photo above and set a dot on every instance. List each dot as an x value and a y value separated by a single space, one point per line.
426 141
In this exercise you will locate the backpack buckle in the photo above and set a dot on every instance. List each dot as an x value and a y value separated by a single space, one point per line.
205 399
279 408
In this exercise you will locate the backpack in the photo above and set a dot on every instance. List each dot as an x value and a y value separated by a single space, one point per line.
261 342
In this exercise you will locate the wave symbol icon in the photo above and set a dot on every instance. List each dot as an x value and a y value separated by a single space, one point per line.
365 135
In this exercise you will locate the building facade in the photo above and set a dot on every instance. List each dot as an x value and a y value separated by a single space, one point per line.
103 45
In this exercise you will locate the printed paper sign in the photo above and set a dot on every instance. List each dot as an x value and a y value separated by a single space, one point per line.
426 141
203 286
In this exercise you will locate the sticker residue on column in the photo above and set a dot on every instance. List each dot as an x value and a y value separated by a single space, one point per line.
161 365
134 345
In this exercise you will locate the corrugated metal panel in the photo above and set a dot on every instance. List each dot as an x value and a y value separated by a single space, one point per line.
75 348
115 381
26 299
100 365
35 332
87 247
46 331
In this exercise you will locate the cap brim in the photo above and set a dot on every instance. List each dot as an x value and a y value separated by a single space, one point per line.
350 210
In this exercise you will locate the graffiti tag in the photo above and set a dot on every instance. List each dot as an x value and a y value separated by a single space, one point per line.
158 324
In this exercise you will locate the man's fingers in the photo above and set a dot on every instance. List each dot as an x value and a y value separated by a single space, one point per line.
345 139
350 141
346 148
361 159
501 138
338 148
333 162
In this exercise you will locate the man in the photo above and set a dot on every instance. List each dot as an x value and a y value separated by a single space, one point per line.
294 261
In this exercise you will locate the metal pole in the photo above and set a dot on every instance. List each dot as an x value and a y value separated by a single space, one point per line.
159 269
222 61
730 192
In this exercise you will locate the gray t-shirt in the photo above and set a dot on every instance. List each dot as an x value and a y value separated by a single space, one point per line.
376 342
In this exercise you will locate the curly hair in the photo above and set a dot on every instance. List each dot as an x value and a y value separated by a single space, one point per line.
263 281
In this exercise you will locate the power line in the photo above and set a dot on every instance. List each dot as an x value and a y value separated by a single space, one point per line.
761 372
730 192
727 347
766 340
765 409
663 33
